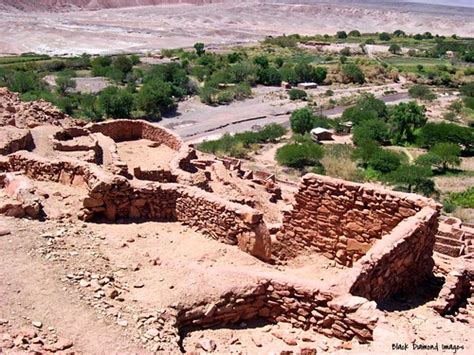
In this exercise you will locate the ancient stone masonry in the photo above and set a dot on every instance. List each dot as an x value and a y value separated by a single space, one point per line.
13 139
116 197
381 240
458 288
400 260
454 238
305 306
127 130
20 114
342 219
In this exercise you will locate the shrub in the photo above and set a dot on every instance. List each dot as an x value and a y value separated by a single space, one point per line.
354 33
346 51
297 94
269 76
421 92
238 144
301 121
463 199
449 116
468 89
352 73
299 155
384 161
448 207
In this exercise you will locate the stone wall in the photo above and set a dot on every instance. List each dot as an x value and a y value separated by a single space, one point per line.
158 175
341 219
13 139
304 306
401 260
113 197
127 130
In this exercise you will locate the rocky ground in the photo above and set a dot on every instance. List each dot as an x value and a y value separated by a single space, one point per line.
90 288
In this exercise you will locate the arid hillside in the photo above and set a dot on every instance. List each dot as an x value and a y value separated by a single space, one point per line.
148 28
33 5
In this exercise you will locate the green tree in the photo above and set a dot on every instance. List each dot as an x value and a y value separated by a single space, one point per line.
301 121
24 81
406 117
155 98
64 83
354 33
262 61
384 36
447 154
433 133
411 176
384 161
394 48
269 76
307 73
100 65
90 107
373 129
399 33
123 64
115 102
299 155
199 48
352 73
341 34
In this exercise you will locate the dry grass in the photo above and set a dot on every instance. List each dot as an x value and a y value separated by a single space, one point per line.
337 163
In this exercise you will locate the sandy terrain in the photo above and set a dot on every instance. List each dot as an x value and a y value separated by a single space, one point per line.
151 157
142 29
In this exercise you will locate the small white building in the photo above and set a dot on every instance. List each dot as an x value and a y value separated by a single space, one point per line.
319 134
306 86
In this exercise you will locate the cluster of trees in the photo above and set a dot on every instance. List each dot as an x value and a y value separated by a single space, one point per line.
228 77
117 68
376 125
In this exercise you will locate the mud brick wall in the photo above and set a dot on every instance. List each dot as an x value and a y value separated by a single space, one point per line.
341 219
126 130
401 260
324 311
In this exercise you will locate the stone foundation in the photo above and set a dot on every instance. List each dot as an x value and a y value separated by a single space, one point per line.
342 219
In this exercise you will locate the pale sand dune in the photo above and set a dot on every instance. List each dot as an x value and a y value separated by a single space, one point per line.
149 28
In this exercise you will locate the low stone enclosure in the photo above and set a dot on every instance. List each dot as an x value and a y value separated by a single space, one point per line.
383 239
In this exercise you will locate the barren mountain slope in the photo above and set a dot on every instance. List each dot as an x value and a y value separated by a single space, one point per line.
34 5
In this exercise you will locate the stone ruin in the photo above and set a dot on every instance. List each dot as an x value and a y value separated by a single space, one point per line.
383 240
